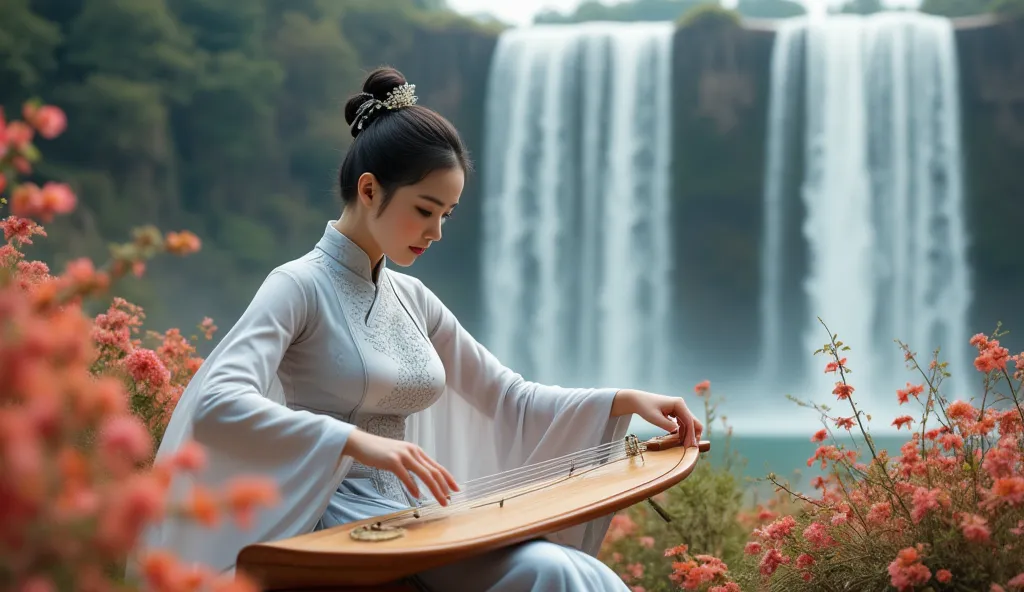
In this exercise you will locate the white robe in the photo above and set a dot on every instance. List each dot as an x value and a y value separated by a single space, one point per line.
323 349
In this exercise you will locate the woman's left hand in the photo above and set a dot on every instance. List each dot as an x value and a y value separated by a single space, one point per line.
668 413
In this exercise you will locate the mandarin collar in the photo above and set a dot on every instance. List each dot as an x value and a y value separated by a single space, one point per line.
350 255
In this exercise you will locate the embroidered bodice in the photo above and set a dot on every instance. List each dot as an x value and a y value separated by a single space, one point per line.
387 368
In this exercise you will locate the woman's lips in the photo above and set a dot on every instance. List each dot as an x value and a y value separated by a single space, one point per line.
417 250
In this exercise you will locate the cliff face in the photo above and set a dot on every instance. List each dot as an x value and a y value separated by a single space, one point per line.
720 92
992 97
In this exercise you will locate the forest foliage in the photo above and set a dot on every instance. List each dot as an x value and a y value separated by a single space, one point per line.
223 117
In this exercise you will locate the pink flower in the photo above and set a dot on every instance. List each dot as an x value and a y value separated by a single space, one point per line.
182 243
778 530
49 120
926 500
903 420
752 548
145 366
646 542
975 528
906 571
903 395
819 436
208 328
879 512
1008 490
190 457
677 551
817 534
771 562
19 134
991 356
843 391
124 441
952 441
845 422
19 231
29 201
834 366
244 495
136 502
944 576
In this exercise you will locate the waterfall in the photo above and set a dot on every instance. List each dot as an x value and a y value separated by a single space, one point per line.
576 249
868 157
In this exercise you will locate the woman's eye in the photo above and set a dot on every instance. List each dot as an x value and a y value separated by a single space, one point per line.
424 213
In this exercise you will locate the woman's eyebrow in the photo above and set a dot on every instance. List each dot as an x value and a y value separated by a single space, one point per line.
433 199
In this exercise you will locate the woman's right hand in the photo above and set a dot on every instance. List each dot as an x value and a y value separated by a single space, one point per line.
401 458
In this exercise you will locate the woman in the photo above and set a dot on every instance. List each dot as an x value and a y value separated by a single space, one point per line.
344 379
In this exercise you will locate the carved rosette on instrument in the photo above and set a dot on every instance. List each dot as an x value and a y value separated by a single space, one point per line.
377 532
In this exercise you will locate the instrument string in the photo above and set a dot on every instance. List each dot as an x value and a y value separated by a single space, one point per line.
502 481
516 482
481 486
561 461
432 509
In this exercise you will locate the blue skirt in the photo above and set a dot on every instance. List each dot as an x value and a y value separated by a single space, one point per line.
534 565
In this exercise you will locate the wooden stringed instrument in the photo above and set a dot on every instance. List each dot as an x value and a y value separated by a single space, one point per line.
488 513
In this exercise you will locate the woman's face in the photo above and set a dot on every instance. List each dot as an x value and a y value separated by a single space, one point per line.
413 218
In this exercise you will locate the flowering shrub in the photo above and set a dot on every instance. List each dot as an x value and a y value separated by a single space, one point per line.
947 514
706 514
82 402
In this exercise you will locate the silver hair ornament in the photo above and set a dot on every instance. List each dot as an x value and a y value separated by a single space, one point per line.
400 97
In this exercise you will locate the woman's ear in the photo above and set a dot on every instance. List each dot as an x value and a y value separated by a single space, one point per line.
367 189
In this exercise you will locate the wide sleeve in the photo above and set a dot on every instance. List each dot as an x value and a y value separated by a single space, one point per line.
532 421
234 412
235 408
490 419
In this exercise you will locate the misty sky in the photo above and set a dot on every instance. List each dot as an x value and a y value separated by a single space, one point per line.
520 12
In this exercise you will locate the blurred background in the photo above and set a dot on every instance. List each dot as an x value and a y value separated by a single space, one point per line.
667 191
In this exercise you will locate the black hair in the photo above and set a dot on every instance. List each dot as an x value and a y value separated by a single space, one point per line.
398 146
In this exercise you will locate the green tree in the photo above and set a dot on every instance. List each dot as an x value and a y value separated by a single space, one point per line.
27 46
137 40
321 70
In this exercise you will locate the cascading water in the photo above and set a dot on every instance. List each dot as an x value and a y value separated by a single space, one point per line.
876 175
576 203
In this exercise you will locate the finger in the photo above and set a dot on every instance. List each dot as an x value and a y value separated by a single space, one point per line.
406 479
664 423
438 475
691 437
684 430
685 419
699 428
448 477
445 476
427 476
681 413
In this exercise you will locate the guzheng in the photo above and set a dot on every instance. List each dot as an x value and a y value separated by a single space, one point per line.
488 513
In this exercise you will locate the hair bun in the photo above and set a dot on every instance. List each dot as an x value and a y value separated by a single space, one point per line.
377 85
